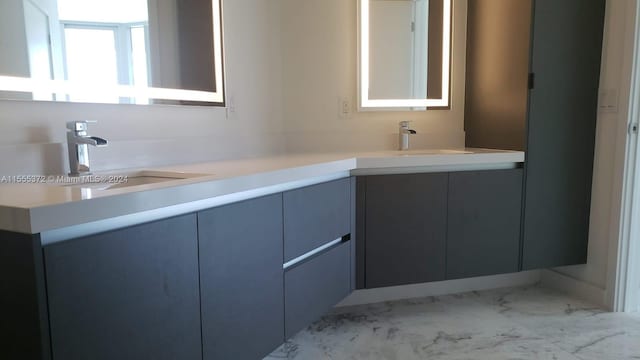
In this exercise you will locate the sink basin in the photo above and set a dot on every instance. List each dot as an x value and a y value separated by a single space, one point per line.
433 152
119 181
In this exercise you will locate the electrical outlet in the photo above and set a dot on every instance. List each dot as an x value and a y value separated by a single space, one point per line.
344 108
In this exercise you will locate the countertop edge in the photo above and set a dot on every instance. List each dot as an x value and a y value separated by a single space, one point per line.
48 218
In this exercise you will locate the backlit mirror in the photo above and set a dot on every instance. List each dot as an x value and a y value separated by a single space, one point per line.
404 53
112 51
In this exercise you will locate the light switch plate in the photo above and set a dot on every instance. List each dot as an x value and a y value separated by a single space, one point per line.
345 108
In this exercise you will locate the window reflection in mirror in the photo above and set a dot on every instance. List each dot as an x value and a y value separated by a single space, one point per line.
112 51
405 53
104 37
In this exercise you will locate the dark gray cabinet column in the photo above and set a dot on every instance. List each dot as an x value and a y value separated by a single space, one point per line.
566 52
483 236
126 294
241 277
24 321
406 225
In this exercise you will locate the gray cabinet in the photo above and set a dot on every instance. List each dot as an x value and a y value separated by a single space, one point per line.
563 104
405 229
24 324
484 210
418 228
313 287
126 294
315 215
199 286
241 279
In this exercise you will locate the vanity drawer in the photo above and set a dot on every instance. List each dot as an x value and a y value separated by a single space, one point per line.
313 287
315 215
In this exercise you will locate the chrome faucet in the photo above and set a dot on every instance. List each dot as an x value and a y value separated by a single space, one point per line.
78 142
404 133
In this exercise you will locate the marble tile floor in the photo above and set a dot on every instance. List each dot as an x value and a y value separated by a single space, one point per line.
513 323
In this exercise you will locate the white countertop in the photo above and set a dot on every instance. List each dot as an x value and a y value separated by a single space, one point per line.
37 208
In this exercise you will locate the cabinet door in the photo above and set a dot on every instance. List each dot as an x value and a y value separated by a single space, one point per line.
316 215
126 294
406 224
566 52
24 328
483 236
241 279
312 288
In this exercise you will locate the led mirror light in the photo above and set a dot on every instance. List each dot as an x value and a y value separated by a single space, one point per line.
364 65
68 88
218 95
18 84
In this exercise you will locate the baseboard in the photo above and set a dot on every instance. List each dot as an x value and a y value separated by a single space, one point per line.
370 296
574 287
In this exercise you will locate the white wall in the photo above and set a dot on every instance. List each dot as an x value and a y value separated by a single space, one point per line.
32 139
319 39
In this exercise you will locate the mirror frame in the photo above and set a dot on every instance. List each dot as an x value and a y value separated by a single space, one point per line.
217 98
365 103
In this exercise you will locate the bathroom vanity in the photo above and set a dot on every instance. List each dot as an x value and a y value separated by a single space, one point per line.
200 285
418 228
193 268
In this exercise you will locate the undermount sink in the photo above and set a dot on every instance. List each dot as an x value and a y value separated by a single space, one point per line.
124 180
433 152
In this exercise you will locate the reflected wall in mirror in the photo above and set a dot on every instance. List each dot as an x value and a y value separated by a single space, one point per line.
405 53
112 51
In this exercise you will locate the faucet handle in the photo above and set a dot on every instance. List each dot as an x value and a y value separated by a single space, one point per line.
79 125
404 124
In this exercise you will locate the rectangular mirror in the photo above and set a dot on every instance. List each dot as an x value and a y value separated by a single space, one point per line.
112 51
404 54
